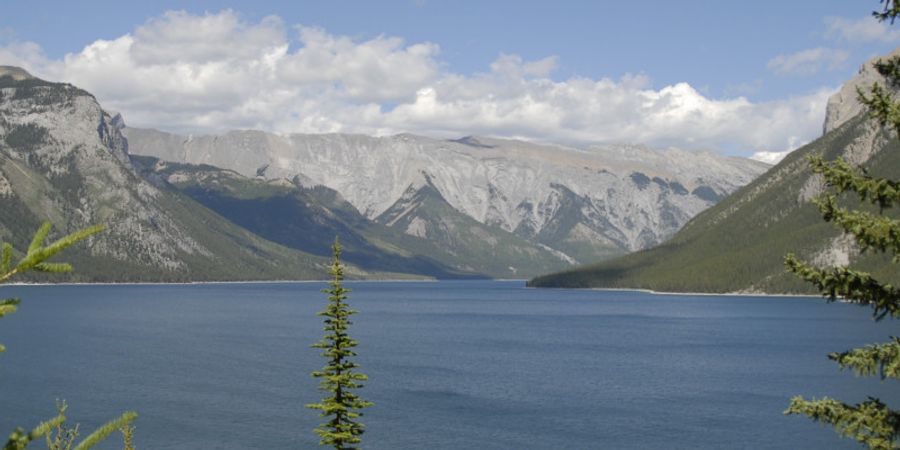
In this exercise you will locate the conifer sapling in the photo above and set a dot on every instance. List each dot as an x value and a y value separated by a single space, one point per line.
338 377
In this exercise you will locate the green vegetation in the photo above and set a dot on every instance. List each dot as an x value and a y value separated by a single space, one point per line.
338 376
58 436
871 422
26 137
221 250
737 245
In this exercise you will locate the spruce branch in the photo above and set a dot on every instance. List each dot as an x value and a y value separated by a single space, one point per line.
62 437
842 176
19 439
103 432
882 106
127 437
882 359
37 253
851 285
8 306
889 68
871 422
889 13
870 231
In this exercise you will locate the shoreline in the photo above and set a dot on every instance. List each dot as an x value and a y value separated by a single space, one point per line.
693 294
197 283
696 294
200 283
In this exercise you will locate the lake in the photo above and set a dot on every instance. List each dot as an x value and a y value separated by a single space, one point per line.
452 365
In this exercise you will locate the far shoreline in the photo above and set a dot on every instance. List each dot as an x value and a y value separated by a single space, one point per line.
390 280
693 294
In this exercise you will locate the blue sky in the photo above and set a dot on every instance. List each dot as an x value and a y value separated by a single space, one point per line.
543 69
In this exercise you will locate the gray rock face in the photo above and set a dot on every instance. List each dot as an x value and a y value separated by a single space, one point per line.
587 203
64 159
69 141
844 105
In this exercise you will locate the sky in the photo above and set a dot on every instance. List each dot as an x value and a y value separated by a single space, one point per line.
737 78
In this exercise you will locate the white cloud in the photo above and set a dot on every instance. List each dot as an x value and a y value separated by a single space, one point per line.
178 37
808 62
227 73
770 157
380 69
866 29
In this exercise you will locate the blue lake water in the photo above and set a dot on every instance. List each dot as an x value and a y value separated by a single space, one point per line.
452 365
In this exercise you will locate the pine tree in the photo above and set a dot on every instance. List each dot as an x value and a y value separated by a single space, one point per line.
871 422
35 259
338 376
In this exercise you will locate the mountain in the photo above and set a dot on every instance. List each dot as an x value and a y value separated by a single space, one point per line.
739 244
64 159
300 217
578 204
474 207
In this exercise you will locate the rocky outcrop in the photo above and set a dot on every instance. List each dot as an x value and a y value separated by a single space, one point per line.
844 105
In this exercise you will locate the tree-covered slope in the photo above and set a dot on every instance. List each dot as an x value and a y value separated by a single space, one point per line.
739 244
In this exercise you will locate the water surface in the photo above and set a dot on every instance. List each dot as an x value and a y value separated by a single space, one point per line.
452 365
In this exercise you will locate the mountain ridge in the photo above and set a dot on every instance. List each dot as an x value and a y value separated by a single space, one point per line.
497 182
299 217
63 159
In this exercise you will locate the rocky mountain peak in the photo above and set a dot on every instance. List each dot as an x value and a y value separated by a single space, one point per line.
17 73
843 105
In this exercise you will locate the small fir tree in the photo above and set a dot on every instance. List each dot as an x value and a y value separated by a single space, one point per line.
872 423
338 377
57 435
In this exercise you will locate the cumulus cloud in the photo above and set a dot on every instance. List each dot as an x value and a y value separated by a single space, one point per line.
865 29
808 62
213 72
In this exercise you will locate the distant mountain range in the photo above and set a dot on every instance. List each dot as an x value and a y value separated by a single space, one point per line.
498 207
739 244
252 205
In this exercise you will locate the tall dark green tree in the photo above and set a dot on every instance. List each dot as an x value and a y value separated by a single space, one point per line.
339 377
35 259
871 422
